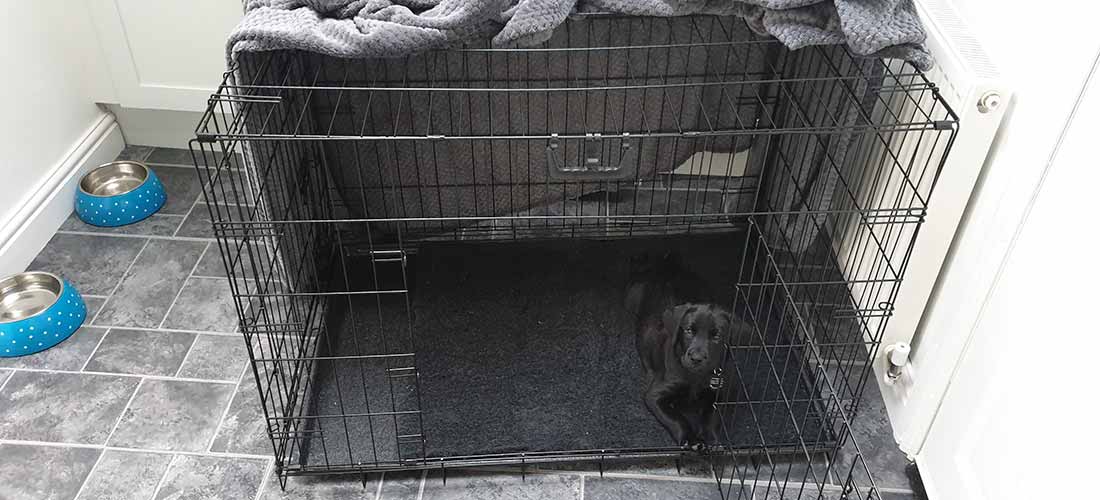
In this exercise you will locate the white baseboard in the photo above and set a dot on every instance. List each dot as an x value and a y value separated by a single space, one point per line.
25 233
156 127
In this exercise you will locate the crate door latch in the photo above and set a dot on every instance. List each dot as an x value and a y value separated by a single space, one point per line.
593 164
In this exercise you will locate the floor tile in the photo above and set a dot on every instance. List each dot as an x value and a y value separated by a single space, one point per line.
172 415
244 429
871 430
215 357
607 488
138 153
125 475
788 468
401 485
204 304
699 467
62 407
321 487
231 187
797 491
69 355
22 471
147 291
141 352
94 264
891 495
915 483
211 265
93 304
171 156
247 261
197 224
182 186
201 478
477 485
688 467
155 225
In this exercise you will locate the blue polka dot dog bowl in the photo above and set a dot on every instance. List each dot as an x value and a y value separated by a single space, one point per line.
37 311
119 193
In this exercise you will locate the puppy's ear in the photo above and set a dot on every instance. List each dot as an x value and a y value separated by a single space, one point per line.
674 316
722 313
725 321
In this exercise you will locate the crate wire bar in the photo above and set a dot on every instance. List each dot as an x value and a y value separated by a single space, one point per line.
337 186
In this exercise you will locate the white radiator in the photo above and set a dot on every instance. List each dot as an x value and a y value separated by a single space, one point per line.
972 86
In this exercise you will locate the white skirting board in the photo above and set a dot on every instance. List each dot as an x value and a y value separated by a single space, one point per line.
156 127
23 235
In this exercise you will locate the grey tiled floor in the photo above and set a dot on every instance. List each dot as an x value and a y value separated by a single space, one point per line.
152 399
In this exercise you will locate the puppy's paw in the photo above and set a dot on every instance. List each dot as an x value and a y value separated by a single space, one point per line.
695 444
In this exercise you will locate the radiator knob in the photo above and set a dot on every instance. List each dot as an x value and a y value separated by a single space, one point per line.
989 101
897 356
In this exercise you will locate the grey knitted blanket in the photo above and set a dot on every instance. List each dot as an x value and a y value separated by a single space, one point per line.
392 28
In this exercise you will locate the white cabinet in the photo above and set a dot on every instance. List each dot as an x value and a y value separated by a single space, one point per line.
163 54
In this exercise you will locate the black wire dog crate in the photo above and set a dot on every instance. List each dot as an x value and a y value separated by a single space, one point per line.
429 254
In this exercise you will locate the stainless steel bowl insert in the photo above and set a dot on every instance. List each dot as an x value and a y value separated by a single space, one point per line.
27 294
114 178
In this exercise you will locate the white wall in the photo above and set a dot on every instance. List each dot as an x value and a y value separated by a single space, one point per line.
52 67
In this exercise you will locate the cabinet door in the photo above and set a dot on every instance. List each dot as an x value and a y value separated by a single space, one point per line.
164 54
1018 421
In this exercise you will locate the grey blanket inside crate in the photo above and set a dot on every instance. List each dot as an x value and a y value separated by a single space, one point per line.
392 28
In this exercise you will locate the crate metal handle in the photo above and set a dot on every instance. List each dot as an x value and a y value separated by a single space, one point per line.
593 160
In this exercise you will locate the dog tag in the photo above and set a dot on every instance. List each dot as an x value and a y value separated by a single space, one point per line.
716 381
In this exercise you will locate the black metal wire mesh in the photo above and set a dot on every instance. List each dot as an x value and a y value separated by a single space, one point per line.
335 172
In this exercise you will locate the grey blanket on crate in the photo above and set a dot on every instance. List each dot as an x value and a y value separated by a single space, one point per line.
373 29
392 28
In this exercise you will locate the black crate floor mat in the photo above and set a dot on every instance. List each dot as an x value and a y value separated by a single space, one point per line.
523 348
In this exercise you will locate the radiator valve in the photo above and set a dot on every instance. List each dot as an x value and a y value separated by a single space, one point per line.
897 356
989 101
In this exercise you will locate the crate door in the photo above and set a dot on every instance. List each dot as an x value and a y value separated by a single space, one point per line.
369 393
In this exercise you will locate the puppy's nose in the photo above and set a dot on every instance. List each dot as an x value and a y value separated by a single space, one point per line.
697 357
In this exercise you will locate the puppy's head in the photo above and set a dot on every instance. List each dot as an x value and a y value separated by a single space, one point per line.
701 332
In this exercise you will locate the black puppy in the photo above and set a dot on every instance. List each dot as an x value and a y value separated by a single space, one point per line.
681 339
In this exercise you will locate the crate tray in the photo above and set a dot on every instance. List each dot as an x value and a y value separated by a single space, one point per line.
526 348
